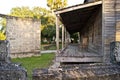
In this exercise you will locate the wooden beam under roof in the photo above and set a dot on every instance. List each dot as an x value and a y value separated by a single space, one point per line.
77 7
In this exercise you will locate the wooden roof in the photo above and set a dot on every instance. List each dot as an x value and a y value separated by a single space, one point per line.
75 17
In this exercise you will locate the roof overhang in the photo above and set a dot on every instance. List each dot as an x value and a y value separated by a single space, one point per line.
75 17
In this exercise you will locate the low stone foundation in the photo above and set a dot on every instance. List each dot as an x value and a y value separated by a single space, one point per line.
11 71
22 55
79 72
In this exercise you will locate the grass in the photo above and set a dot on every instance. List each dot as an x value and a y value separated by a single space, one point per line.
43 61
50 46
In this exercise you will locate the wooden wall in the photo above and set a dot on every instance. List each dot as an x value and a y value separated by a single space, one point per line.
108 27
91 35
117 6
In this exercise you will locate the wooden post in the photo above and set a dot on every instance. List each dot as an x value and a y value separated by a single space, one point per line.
57 34
79 37
67 38
63 37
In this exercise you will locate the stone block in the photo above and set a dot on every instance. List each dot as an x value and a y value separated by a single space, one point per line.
115 52
8 70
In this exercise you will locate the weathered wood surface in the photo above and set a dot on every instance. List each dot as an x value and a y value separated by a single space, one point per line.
108 27
74 50
91 34
57 33
117 20
63 36
75 53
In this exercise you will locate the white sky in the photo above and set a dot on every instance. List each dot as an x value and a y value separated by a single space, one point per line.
6 5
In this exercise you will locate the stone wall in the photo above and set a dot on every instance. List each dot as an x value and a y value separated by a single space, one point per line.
9 70
23 35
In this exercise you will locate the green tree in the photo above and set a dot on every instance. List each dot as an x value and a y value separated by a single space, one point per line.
49 33
21 12
49 30
56 4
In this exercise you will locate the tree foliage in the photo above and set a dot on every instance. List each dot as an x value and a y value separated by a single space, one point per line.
21 12
45 15
3 22
2 29
2 36
56 4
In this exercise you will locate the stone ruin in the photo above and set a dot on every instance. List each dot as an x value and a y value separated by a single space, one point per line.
9 70
96 71
83 71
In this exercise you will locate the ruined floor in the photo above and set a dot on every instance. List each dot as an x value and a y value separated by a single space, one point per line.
96 71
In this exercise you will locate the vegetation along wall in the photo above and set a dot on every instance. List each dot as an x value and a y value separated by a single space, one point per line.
23 35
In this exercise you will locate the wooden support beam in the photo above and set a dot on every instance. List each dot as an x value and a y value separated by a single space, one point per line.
68 37
63 36
79 37
77 7
57 34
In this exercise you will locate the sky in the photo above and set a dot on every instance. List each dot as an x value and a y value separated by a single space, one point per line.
7 5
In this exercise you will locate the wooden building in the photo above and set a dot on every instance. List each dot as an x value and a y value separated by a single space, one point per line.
97 22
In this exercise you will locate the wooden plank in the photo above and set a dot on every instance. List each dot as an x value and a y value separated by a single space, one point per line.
79 59
117 11
108 27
